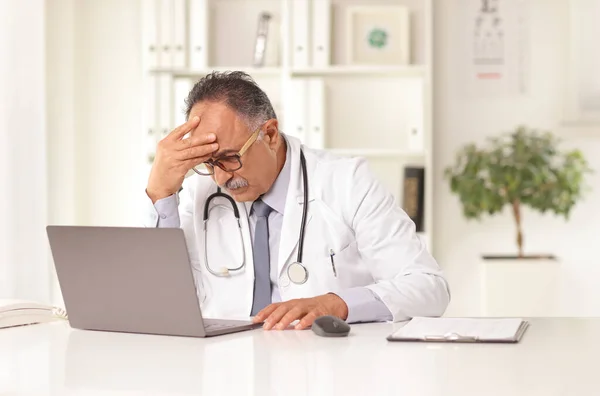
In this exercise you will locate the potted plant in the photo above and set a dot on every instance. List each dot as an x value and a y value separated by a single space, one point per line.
516 169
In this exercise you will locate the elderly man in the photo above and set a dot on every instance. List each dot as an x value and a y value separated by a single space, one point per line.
361 259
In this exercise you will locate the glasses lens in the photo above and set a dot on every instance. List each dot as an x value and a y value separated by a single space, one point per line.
230 163
204 169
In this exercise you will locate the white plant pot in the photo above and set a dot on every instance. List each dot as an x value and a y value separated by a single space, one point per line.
520 287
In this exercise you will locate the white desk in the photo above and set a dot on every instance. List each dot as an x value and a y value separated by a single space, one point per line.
555 357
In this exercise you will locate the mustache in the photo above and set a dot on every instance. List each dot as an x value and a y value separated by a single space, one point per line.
238 182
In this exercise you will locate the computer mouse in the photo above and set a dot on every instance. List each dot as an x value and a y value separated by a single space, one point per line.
330 326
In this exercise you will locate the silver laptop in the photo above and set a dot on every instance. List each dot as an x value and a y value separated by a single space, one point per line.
134 280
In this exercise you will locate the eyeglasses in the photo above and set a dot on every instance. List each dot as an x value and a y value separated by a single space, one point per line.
228 162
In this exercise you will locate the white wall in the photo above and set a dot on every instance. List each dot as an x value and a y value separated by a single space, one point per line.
94 95
95 141
460 119
24 270
108 91
60 117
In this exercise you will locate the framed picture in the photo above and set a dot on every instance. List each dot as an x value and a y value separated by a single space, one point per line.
583 63
378 35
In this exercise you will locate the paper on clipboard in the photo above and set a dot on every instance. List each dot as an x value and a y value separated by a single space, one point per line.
461 330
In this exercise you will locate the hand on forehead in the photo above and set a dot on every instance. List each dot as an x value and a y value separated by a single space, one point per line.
219 119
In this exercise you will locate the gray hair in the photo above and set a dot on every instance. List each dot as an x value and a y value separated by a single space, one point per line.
238 91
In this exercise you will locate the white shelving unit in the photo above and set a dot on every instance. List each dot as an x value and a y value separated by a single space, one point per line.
359 71
381 112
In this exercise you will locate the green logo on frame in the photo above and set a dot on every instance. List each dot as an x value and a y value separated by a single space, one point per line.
378 38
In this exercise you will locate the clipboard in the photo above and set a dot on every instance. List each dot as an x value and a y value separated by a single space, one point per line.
461 330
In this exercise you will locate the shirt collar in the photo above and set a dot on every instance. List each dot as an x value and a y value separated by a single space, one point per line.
277 194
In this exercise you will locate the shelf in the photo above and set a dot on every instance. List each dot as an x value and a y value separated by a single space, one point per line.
578 129
359 70
253 71
581 123
332 71
380 153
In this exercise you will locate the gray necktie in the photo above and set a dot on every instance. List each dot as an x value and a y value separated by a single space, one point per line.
260 254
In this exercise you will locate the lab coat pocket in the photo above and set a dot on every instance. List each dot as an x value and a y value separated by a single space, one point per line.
339 270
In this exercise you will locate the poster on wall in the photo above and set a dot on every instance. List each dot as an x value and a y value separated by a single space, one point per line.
583 63
496 47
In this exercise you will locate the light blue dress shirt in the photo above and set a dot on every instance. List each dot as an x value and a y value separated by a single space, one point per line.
363 304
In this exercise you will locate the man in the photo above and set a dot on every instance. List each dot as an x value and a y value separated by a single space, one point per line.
362 260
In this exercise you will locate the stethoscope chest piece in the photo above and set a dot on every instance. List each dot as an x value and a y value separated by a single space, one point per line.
297 273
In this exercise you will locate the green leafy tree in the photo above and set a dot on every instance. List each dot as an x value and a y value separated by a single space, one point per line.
523 167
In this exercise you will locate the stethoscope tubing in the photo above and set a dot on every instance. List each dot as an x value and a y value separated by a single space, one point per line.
304 208
220 194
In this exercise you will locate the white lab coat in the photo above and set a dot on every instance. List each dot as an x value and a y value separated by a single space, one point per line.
350 212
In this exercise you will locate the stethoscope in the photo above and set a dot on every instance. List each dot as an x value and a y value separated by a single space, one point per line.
296 272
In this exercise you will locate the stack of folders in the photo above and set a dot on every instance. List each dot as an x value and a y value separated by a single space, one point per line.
509 330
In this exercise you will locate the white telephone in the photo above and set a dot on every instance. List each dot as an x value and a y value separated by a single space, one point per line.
22 312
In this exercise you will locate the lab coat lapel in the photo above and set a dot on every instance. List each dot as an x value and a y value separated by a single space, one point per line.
292 216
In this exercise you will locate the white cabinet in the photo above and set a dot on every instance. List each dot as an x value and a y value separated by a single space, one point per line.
379 111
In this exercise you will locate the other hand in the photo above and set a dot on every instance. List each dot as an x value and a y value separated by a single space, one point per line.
278 316
175 156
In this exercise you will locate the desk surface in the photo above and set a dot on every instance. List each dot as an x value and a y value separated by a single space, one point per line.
555 357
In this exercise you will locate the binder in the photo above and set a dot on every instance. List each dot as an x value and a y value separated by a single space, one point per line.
181 88
273 52
152 131
300 9
166 34
321 33
179 29
150 36
413 195
461 330
198 34
415 138
297 100
316 113
165 96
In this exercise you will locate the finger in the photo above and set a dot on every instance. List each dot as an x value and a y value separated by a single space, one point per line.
192 141
295 313
193 162
276 315
187 165
307 320
265 312
197 151
179 132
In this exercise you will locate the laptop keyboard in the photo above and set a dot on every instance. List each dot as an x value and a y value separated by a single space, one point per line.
218 326
215 324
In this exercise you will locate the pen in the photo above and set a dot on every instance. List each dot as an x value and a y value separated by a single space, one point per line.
331 254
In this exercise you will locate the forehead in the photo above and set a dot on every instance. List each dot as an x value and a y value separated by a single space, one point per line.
219 119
